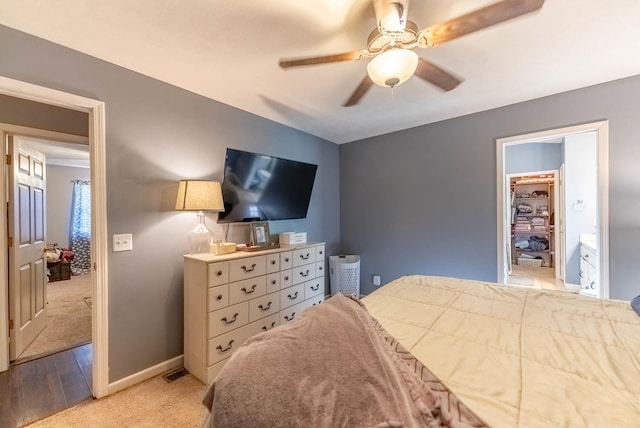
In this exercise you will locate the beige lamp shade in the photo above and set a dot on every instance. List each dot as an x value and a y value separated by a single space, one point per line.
199 195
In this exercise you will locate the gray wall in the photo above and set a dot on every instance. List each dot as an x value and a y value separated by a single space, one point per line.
531 157
59 191
157 134
581 183
423 200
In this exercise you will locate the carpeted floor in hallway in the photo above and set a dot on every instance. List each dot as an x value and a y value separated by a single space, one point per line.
69 320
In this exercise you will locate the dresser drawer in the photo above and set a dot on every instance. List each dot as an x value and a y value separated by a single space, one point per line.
303 273
220 347
320 253
314 287
249 267
320 268
273 262
218 297
263 306
292 295
304 256
291 312
267 323
247 289
286 260
273 282
316 300
286 279
218 273
227 319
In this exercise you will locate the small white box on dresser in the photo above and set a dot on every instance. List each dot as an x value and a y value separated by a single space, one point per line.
291 238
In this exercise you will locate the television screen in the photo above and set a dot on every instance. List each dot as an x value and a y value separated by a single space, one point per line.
260 187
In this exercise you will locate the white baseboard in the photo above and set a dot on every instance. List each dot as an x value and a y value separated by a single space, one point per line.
145 374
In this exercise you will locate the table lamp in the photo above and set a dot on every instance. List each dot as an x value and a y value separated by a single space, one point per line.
199 195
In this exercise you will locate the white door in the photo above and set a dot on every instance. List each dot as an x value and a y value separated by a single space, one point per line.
27 265
560 227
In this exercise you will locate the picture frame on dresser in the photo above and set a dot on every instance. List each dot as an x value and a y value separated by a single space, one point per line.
260 236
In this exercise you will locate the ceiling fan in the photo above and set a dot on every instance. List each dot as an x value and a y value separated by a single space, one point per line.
391 45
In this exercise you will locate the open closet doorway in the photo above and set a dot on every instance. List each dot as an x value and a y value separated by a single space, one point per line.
56 309
535 258
553 209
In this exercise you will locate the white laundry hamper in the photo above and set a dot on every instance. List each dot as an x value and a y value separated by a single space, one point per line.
344 275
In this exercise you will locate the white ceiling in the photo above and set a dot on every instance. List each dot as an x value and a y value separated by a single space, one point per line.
229 50
58 153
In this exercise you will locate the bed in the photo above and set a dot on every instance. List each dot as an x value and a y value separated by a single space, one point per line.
486 355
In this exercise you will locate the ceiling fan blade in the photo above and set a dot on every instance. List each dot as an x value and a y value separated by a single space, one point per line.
436 76
347 56
359 92
477 20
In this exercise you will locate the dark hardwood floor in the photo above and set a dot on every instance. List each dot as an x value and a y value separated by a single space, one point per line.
39 388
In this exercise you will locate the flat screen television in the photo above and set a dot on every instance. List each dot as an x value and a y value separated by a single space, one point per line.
258 187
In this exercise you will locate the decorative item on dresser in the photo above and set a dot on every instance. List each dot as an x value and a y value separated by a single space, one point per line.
231 297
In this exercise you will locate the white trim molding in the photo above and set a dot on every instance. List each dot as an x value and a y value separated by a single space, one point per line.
99 242
602 130
145 374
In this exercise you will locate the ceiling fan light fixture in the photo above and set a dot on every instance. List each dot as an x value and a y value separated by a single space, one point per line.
392 67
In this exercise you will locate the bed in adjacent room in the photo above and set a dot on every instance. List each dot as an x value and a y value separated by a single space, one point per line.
507 357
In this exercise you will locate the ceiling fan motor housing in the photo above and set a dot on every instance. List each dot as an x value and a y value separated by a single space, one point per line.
391 16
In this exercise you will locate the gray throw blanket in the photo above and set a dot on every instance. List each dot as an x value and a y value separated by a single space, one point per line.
334 366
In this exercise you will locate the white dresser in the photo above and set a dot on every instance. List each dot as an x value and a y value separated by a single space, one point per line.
231 297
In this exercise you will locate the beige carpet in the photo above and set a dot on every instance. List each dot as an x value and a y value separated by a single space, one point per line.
153 403
69 321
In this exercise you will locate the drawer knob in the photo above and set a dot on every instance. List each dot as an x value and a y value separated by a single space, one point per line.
320 252
251 269
286 278
219 297
253 288
305 274
265 308
226 322
273 282
265 328
295 296
273 262
219 273
316 288
303 257
289 318
286 259
221 349
319 267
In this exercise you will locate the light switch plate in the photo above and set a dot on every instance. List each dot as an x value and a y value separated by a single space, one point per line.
123 242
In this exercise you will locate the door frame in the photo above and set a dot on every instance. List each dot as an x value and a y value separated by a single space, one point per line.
602 131
99 244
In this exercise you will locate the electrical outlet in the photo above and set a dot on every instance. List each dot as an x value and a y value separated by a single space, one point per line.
376 280
123 242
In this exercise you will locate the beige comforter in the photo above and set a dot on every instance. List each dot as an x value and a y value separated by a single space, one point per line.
520 357
334 366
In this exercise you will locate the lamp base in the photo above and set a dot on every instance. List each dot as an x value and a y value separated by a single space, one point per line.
200 237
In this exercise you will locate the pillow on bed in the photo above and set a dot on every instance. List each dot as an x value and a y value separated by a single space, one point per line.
635 304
